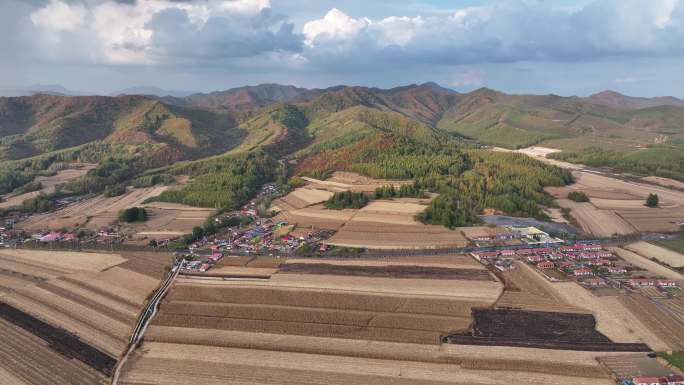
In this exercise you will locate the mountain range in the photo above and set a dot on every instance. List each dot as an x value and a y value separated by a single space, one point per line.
198 125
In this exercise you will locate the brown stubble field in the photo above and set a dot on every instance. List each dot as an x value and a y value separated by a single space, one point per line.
48 184
617 206
165 219
89 295
297 325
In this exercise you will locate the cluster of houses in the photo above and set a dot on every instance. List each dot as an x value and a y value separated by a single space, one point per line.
588 264
53 236
674 379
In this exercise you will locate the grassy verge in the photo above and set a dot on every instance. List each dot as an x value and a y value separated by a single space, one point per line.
674 245
675 359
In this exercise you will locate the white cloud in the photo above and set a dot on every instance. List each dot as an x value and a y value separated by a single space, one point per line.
140 32
334 26
59 16
215 32
504 31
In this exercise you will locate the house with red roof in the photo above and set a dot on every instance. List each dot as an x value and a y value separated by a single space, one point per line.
545 265
582 272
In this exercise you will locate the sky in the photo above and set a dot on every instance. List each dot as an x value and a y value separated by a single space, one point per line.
565 47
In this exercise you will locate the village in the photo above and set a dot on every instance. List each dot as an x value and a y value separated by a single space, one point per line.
589 264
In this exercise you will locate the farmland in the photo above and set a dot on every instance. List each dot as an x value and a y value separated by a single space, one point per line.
74 310
165 219
526 289
647 264
617 206
661 254
47 184
340 321
382 224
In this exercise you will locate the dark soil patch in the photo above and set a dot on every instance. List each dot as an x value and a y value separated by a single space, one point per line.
566 331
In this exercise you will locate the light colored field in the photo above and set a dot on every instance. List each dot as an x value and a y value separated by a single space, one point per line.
658 318
534 293
311 196
321 212
365 235
540 154
613 319
116 285
601 223
93 213
164 219
66 259
239 270
666 182
349 181
33 269
662 254
393 207
617 206
48 183
297 368
8 378
646 264
487 291
455 261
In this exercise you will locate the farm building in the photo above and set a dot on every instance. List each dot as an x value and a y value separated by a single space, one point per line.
666 283
617 270
641 282
674 379
545 265
582 272
594 281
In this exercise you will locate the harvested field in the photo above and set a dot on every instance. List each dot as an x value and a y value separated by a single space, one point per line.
78 314
530 291
152 264
630 366
58 340
666 182
98 210
387 271
303 302
48 184
310 196
349 181
363 235
564 331
165 219
651 251
617 206
318 288
646 264
601 223
613 319
171 363
670 329
455 261
30 360
240 271
64 260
